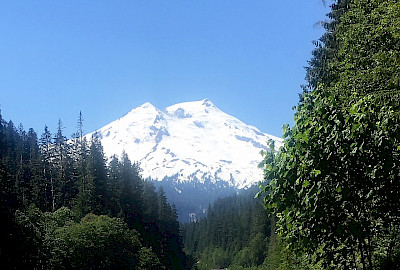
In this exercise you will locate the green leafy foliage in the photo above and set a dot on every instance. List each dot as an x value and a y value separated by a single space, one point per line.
96 242
334 185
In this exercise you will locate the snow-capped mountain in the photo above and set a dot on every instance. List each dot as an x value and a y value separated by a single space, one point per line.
191 141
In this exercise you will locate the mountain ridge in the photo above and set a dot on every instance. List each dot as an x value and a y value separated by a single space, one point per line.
188 141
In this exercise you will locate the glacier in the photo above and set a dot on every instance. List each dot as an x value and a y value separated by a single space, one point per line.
189 142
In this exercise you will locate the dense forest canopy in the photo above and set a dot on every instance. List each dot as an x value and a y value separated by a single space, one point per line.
64 206
235 233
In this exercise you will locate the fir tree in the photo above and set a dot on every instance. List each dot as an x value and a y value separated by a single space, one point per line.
62 161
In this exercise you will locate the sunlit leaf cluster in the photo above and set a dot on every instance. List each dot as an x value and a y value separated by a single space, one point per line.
335 184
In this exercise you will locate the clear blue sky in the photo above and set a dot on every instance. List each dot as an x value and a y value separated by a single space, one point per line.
107 57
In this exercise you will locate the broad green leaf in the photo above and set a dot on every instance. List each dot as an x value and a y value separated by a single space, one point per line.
316 172
306 183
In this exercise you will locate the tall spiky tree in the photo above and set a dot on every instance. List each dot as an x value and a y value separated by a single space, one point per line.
131 192
46 150
97 174
80 156
66 186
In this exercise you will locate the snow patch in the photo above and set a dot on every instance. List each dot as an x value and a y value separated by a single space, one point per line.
191 141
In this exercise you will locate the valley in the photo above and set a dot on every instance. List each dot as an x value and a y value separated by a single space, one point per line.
195 151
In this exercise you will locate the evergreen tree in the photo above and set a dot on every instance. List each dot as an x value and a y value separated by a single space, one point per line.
8 200
63 170
170 245
98 175
80 156
150 215
21 180
115 186
46 151
34 162
131 192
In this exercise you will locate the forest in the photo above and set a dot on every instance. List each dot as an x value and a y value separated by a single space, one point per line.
332 191
236 233
330 198
64 207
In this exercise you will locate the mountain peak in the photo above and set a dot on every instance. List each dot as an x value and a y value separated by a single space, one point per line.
189 141
206 102
147 105
186 109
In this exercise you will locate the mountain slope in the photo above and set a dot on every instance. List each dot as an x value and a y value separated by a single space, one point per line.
188 142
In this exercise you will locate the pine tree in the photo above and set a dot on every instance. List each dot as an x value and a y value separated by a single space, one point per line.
63 166
22 174
35 164
46 150
131 192
150 218
115 186
170 245
80 155
98 174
